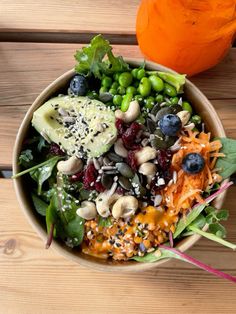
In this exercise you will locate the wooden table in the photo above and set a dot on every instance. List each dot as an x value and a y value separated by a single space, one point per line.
33 280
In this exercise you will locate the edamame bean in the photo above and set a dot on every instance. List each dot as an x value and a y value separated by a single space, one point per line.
125 79
150 102
174 100
170 90
145 87
140 74
196 119
131 90
186 106
112 91
159 98
134 72
116 77
115 85
121 90
117 100
103 89
106 81
157 83
125 102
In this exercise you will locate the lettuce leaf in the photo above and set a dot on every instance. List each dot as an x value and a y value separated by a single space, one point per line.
91 59
227 164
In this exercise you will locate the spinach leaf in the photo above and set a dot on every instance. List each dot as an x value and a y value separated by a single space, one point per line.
91 59
52 214
104 222
39 204
42 173
26 157
155 256
185 221
227 164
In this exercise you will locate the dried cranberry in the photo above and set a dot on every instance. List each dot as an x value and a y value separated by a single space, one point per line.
164 158
121 127
120 190
54 149
129 137
90 175
99 187
77 177
131 160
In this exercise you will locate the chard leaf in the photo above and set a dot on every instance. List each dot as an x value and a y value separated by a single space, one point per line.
39 204
42 173
176 80
227 164
91 59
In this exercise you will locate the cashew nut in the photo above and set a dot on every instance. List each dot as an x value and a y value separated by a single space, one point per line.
145 154
87 210
131 114
189 126
120 149
148 169
70 166
104 201
184 116
124 207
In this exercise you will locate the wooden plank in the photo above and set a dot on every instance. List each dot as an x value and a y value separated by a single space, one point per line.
66 21
35 280
28 68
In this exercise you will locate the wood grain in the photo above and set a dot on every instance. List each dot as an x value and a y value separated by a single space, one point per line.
63 21
26 69
35 280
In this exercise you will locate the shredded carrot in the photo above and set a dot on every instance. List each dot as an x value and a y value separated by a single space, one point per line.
181 196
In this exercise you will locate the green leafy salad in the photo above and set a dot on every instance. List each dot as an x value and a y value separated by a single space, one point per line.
120 165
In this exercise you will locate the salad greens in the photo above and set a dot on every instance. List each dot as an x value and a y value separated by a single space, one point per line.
39 204
227 164
91 59
25 157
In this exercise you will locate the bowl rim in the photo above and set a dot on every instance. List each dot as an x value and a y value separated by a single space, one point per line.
184 244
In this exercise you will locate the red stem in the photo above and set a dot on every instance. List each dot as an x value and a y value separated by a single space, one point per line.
50 237
199 264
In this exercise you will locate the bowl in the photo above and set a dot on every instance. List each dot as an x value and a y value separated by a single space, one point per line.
202 106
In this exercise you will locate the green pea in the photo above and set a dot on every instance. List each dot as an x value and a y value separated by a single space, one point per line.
117 100
116 77
125 79
103 89
141 119
186 106
157 83
131 90
112 91
140 74
159 98
134 72
106 81
139 98
115 85
145 87
196 119
174 100
150 102
121 90
125 102
170 90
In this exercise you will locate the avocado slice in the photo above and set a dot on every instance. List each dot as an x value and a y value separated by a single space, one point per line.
79 125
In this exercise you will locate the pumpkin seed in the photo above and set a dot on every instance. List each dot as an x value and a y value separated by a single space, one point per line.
124 183
106 181
105 97
124 169
114 157
151 125
139 190
176 109
155 109
158 143
163 111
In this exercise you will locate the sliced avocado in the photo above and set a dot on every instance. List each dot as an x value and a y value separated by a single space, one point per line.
79 125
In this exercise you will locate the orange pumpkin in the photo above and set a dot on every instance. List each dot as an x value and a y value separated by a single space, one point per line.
188 36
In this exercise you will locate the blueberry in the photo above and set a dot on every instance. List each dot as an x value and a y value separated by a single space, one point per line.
193 163
170 124
79 85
